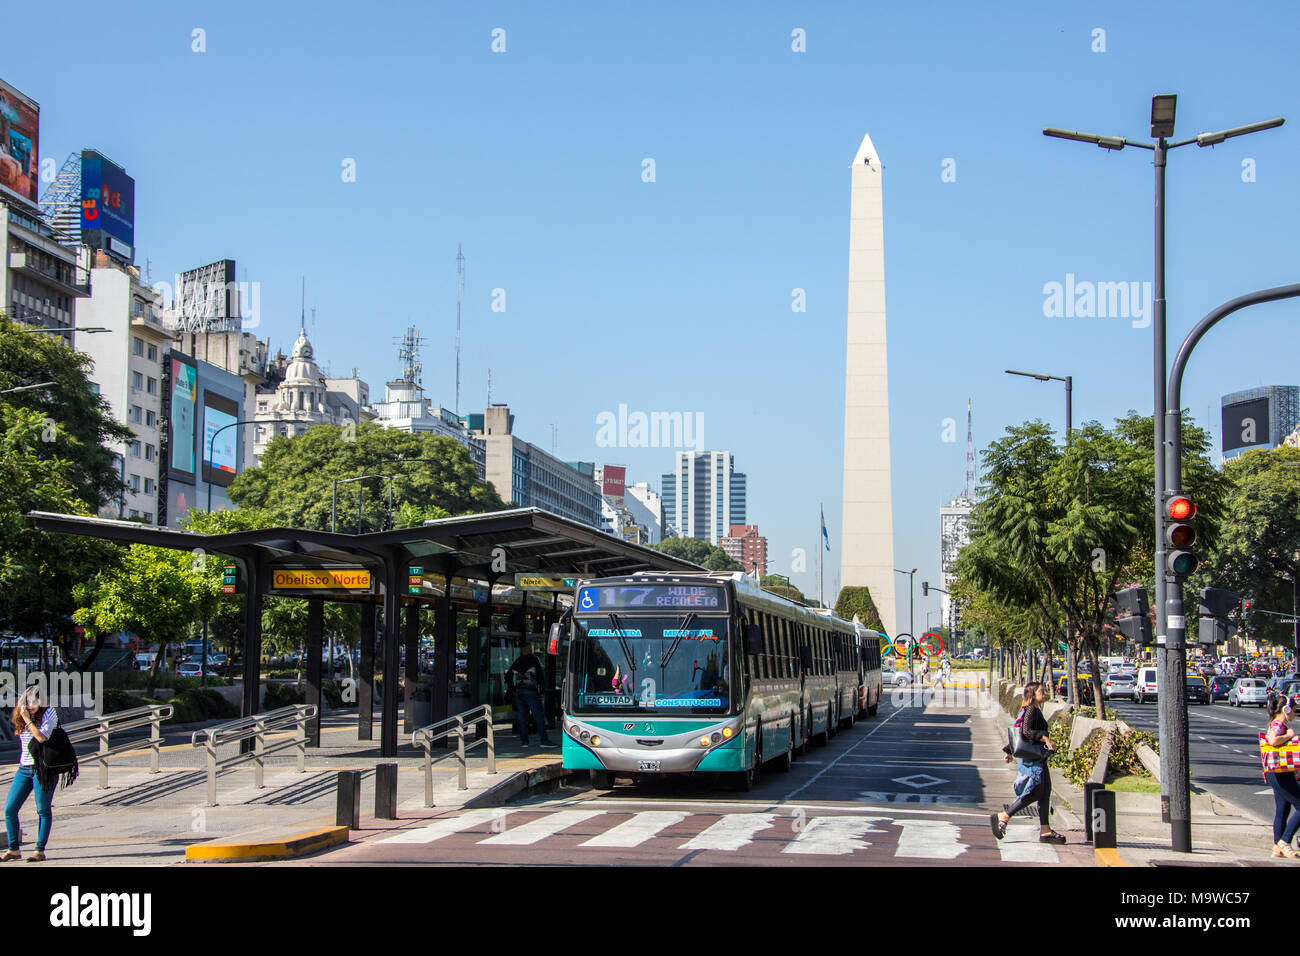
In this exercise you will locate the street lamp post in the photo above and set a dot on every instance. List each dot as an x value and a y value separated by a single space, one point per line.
1172 693
213 439
911 616
1071 664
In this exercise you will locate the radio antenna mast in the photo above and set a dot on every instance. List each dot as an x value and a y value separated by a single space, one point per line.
460 289
970 456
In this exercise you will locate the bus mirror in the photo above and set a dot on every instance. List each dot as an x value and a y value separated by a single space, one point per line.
553 644
805 658
753 639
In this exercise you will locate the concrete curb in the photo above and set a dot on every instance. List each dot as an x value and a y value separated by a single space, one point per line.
1106 856
252 852
521 781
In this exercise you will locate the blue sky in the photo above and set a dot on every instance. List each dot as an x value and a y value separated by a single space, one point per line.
676 295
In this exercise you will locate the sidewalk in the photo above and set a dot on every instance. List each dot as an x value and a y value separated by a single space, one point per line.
145 818
1223 834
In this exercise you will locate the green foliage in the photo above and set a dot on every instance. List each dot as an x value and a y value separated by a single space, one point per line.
283 695
708 556
196 706
293 484
857 600
780 584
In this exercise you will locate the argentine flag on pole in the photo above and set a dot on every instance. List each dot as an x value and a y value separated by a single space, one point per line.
825 537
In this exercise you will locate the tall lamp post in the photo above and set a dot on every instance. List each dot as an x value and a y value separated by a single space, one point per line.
1172 693
911 616
1069 431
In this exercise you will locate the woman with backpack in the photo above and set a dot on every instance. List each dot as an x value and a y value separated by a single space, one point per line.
1034 781
32 721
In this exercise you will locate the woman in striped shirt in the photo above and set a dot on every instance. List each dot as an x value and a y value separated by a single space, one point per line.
31 720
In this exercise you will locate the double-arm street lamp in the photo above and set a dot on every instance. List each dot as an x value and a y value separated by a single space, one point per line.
1172 693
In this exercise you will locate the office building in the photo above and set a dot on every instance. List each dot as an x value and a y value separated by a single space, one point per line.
1259 418
646 508
524 474
954 534
745 545
703 496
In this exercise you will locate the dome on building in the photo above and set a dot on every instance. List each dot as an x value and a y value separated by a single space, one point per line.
302 369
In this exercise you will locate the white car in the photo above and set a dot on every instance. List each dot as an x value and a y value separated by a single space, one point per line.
892 678
1248 690
1146 687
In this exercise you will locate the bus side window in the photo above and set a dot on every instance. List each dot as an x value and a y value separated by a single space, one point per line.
787 663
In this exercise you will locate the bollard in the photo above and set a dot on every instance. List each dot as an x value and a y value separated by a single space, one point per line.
1105 829
386 791
1089 794
348 813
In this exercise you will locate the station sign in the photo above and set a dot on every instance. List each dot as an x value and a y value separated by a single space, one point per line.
229 579
321 579
545 583
415 579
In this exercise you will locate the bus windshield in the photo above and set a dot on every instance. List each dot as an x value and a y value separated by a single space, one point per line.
670 665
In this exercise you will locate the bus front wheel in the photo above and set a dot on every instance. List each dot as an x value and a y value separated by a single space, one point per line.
602 780
744 781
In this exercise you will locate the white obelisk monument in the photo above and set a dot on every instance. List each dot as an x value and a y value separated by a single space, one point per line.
867 541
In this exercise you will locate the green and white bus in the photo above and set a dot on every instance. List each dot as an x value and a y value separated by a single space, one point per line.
681 673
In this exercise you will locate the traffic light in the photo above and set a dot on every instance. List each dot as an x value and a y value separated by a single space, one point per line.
1180 535
1137 626
1216 603
925 589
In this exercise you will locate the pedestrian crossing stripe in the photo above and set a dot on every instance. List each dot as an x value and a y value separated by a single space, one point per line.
825 835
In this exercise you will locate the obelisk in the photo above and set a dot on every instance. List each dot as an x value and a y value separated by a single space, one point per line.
867 541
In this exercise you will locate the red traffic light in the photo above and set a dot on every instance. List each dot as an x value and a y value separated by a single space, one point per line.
1181 509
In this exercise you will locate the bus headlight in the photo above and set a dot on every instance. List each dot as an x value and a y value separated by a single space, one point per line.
716 737
584 735
595 741
704 741
575 730
727 732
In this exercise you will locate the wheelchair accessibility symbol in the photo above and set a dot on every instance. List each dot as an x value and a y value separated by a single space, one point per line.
587 599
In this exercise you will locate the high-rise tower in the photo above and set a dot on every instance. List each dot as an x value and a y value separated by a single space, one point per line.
867 557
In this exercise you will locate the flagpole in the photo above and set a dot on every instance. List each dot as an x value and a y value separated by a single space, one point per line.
821 560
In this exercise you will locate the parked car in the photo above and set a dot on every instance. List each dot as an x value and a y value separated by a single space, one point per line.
1248 690
1219 688
1119 685
190 669
895 678
1147 688
1198 690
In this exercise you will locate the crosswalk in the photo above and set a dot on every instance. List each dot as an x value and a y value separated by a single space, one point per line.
796 834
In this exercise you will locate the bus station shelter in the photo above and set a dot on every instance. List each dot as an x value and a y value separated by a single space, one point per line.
450 566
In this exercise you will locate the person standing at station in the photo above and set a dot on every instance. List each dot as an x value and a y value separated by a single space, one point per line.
31 721
528 674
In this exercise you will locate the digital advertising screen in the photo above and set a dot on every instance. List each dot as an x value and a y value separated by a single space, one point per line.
107 198
613 481
181 424
220 444
1245 424
19 132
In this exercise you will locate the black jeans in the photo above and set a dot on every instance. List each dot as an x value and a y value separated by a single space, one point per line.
1042 793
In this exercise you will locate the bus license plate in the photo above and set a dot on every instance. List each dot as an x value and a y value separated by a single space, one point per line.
648 765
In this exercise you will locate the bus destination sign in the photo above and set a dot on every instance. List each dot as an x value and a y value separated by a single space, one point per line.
647 597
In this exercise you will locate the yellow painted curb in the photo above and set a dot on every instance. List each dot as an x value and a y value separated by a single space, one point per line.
1106 856
287 849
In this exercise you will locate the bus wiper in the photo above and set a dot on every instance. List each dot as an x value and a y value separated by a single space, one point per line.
622 642
672 649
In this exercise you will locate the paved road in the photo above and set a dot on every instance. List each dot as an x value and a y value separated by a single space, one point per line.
1223 749
910 786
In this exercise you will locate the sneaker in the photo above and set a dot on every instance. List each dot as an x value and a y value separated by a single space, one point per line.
10 855
37 857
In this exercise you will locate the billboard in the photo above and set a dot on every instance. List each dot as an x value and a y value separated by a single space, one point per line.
182 417
107 201
1246 424
220 451
207 299
19 133
613 480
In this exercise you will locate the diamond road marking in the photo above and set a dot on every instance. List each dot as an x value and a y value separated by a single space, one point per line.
919 781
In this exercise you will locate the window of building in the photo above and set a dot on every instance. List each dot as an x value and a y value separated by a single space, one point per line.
149 485
148 452
134 513
134 484
136 414
150 419
148 516
137 346
153 353
135 449
137 380
153 386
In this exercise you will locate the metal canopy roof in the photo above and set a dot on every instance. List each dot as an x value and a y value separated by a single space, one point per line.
533 541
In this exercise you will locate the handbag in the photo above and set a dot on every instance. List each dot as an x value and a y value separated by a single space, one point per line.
1284 759
1027 749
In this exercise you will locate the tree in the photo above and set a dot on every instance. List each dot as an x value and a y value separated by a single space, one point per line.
156 593
53 457
856 600
293 485
1259 537
780 584
708 556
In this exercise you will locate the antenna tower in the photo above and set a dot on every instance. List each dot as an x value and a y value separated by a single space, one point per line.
408 353
970 456
460 290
